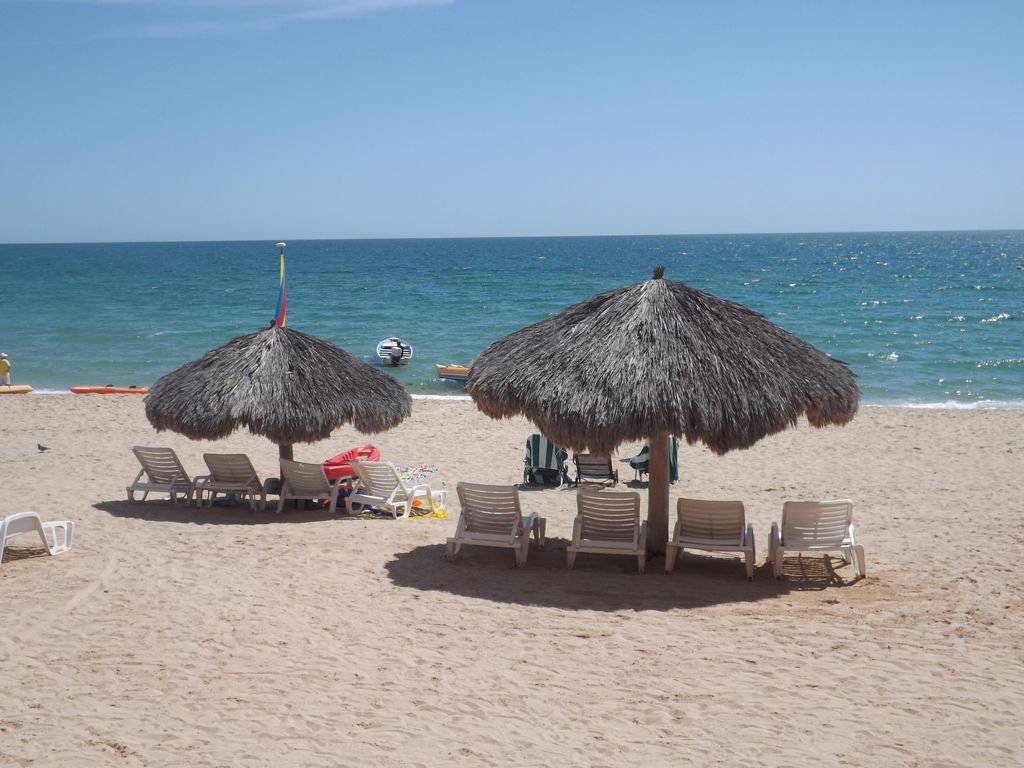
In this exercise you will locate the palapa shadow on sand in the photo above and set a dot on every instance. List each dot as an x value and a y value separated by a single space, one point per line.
598 582
163 511
601 583
239 514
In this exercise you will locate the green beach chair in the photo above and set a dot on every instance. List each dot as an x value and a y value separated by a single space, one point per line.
544 463
641 461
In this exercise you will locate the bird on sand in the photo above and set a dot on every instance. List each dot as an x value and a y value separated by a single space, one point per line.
42 448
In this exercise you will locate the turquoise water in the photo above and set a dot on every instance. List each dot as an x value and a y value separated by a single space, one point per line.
922 318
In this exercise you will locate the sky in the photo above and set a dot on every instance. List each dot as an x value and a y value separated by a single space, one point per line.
155 120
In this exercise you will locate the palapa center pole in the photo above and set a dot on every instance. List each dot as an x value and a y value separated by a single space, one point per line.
657 493
286 452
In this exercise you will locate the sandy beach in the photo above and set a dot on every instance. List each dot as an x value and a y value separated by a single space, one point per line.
171 636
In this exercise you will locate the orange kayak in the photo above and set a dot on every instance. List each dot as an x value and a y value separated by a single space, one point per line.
109 389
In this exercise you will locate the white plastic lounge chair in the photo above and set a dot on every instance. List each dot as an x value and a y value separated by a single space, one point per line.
378 484
594 469
816 526
711 526
27 522
608 523
230 473
544 462
303 480
163 473
491 517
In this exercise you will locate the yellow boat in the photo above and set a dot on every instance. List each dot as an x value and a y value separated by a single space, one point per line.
452 372
15 389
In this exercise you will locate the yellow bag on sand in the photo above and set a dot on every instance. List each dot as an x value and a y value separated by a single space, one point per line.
420 508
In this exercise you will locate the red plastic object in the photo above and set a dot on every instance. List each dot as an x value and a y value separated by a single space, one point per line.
341 465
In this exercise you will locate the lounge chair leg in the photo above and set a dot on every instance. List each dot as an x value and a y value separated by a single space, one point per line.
452 550
521 551
570 560
859 567
671 552
641 561
749 556
539 528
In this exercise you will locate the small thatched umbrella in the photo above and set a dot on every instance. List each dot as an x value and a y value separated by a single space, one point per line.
285 385
654 359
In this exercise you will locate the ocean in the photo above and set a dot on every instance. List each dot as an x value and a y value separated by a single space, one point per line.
924 319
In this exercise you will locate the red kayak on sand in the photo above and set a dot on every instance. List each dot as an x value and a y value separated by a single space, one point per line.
341 465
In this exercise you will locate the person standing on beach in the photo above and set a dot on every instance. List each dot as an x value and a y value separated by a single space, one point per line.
5 369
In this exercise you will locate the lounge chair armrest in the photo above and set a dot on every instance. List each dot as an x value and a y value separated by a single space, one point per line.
414 491
60 543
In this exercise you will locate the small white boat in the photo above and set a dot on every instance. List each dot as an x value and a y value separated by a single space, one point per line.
394 351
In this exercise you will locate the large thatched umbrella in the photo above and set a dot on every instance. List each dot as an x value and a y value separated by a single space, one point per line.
654 359
280 383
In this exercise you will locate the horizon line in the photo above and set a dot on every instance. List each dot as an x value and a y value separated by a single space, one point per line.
520 237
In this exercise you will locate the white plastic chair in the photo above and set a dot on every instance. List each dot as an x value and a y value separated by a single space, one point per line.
230 473
303 480
816 526
711 526
56 534
163 473
608 523
491 517
378 484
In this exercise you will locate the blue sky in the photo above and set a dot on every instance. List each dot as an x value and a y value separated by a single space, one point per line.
267 119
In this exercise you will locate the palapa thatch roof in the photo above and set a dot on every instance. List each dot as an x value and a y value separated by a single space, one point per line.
659 356
285 385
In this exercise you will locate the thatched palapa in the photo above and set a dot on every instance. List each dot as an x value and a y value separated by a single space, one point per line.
654 359
280 383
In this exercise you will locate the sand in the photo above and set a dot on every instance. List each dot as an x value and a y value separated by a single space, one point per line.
171 636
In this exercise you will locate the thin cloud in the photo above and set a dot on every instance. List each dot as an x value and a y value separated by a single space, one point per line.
207 18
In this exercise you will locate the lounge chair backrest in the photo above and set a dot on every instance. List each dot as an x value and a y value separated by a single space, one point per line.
609 516
711 520
304 478
541 453
642 460
589 467
492 509
378 478
230 467
816 524
160 464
